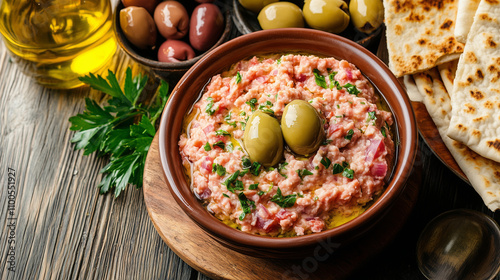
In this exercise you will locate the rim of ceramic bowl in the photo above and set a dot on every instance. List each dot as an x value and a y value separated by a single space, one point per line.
164 66
267 41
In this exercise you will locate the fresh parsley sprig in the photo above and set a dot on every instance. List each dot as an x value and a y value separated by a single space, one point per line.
122 130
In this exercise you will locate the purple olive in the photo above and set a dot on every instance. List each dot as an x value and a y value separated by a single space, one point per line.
172 19
175 51
138 26
206 26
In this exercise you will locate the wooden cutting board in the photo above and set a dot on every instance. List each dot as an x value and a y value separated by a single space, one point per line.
206 255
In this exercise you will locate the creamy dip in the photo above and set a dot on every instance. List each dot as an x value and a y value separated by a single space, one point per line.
300 195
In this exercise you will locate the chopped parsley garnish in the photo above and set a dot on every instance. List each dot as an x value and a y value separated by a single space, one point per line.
246 163
255 168
229 147
337 85
372 115
238 77
246 205
232 184
265 107
219 144
337 168
351 89
303 173
331 76
344 169
253 186
326 162
326 142
284 201
281 167
225 195
222 132
229 121
209 109
348 173
278 61
320 79
252 103
349 135
382 130
261 192
207 147
219 169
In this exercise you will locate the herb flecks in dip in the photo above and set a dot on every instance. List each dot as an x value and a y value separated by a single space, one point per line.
301 194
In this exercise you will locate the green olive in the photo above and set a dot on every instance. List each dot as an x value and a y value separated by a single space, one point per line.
327 15
263 140
302 127
255 5
366 15
280 15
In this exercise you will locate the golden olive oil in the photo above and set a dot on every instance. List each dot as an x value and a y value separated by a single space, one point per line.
57 41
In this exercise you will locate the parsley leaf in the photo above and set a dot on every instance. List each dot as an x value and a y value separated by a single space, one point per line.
284 201
238 77
349 134
123 130
208 109
252 103
303 173
319 79
372 115
246 205
351 89
219 169
207 147
337 168
326 162
222 132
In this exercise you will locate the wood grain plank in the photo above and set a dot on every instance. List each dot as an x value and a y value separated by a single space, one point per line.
65 229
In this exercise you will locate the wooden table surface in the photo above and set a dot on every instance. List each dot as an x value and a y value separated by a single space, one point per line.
64 229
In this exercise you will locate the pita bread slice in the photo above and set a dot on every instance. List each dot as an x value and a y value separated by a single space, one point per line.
483 174
465 17
420 34
411 89
475 97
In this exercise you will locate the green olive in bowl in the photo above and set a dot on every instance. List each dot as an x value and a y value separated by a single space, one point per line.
280 15
255 5
327 15
302 127
263 139
366 15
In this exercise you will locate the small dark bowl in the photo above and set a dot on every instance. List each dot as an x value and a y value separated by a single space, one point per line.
246 22
189 89
168 71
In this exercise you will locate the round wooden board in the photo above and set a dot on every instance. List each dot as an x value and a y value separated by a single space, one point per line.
208 256
432 138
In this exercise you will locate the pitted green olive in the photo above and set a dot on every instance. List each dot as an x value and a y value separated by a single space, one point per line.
302 127
280 15
327 15
255 5
366 15
263 140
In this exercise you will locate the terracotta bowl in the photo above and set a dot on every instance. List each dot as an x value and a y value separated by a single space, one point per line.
168 71
189 89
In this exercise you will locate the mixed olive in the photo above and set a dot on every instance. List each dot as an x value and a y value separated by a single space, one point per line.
328 15
301 129
170 28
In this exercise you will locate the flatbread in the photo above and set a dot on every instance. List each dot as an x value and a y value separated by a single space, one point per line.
483 174
420 34
465 17
475 98
411 89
